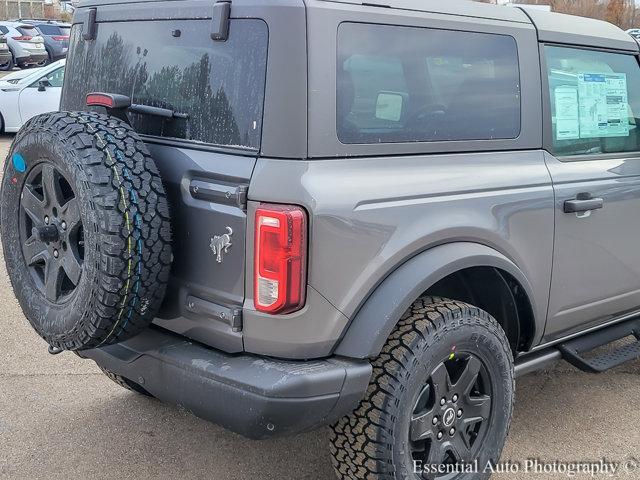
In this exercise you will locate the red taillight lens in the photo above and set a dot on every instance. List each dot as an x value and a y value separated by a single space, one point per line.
23 38
280 258
61 38
100 100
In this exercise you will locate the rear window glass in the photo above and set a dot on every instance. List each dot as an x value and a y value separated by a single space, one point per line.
28 30
219 86
404 84
52 30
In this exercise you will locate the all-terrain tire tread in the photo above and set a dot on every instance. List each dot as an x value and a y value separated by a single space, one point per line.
130 217
360 443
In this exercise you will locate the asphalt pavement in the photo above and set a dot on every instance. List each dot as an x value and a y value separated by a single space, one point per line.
61 418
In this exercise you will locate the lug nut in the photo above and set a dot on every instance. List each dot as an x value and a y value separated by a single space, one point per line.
439 435
56 254
460 413
443 401
46 220
64 225
452 432
455 398
435 420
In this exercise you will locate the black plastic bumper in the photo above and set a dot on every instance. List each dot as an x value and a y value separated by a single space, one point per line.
254 396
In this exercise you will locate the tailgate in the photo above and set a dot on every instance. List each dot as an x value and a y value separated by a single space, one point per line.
206 155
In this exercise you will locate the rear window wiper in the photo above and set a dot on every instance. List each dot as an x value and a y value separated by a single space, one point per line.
118 106
156 111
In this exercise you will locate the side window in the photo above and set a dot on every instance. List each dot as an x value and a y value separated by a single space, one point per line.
55 78
594 101
4 30
406 84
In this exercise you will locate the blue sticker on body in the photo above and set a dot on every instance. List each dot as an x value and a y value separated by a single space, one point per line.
19 163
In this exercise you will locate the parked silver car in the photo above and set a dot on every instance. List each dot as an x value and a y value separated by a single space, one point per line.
25 42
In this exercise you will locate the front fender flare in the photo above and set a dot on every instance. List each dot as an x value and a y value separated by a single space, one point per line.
378 316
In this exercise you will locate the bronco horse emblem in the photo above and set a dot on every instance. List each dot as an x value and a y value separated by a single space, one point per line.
221 244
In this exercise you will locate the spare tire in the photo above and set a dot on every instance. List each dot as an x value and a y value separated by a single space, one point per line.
85 229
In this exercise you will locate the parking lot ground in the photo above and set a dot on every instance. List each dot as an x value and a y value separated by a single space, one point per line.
60 417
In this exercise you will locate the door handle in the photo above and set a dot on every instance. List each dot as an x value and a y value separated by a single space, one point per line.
583 203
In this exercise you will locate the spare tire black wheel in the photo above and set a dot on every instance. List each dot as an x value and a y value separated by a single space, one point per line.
85 229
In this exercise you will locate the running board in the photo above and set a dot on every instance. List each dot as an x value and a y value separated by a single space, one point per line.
573 350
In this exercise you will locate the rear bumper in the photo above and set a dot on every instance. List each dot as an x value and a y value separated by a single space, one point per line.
32 58
57 51
254 396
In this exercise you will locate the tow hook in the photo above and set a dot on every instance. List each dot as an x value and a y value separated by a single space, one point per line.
54 350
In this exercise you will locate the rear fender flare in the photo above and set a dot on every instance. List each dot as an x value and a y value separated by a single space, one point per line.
379 314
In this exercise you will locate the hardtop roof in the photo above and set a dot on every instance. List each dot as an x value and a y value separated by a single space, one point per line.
465 8
552 27
560 28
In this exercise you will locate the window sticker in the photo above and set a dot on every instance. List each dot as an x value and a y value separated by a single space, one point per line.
567 113
603 105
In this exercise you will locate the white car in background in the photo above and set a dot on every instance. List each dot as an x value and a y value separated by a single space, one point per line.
28 93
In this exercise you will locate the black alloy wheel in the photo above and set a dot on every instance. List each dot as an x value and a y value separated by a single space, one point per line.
452 412
51 232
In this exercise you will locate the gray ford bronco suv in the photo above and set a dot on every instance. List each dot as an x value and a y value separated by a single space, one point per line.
286 214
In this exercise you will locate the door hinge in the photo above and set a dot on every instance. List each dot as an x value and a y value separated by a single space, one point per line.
220 21
229 316
89 28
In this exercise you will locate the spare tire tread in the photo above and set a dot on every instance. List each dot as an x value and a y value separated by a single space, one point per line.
129 214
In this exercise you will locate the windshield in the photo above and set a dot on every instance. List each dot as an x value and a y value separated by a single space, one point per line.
176 65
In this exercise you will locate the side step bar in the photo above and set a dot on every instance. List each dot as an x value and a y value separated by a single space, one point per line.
535 362
574 350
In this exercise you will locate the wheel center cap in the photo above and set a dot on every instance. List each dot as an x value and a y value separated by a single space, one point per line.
449 417
48 233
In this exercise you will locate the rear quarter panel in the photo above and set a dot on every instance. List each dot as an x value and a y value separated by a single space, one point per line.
370 215
373 207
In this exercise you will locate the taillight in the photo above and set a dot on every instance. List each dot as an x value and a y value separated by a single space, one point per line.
280 258
23 38
61 38
100 100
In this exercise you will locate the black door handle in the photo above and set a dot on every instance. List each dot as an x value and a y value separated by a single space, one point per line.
583 203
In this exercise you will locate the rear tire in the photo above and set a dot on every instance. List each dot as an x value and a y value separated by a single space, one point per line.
442 393
7 66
